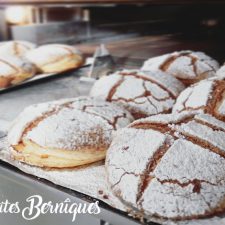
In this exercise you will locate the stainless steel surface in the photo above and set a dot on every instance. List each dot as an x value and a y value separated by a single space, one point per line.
103 63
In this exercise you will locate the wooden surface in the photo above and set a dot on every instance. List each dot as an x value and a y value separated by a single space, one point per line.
8 2
134 51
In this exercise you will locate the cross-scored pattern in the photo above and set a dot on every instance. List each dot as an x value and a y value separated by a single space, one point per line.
47 123
170 166
17 48
48 54
187 66
210 95
13 69
142 94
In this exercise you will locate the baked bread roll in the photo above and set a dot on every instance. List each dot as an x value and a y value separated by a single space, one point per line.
170 166
14 70
207 96
142 93
65 133
16 48
187 66
55 58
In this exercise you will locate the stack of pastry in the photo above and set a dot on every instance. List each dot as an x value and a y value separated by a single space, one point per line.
168 163
17 56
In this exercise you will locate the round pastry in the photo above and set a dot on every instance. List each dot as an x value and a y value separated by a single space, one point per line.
188 66
207 96
14 69
54 58
66 133
16 48
141 93
174 165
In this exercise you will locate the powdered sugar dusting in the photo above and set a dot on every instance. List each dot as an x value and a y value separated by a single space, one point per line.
139 92
16 48
50 53
11 65
81 116
183 65
183 181
131 144
195 97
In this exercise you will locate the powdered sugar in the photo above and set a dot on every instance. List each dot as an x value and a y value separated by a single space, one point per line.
16 48
12 65
139 92
195 97
61 120
50 53
183 65
131 144
185 180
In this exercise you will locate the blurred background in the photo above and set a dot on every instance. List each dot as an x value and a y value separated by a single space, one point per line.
187 24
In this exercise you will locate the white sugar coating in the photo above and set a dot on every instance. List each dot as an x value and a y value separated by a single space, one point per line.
109 111
101 87
195 96
154 63
184 64
15 47
211 120
130 143
28 115
70 123
156 90
182 68
185 162
70 130
167 81
50 53
221 72
139 92
203 132
172 200
130 92
164 118
11 65
180 171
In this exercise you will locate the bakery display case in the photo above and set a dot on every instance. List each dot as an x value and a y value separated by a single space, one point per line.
115 105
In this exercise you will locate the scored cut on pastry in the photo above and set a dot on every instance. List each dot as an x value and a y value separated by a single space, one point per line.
187 66
66 133
16 48
174 165
55 58
14 69
141 93
206 96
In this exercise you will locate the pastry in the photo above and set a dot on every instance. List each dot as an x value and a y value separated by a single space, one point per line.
142 93
16 48
65 133
55 58
188 66
221 71
14 70
174 165
207 96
